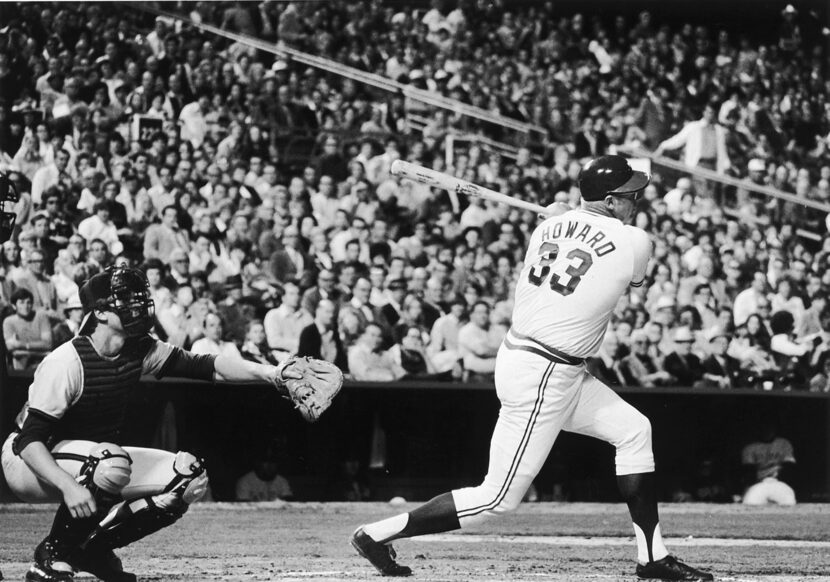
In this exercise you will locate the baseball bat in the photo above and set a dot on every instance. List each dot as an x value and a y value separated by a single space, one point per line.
452 184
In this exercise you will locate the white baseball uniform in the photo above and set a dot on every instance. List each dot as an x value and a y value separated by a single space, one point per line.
577 267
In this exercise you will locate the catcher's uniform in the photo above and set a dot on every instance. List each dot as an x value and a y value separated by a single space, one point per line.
577 266
80 397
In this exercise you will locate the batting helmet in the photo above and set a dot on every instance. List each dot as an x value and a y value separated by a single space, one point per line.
123 291
609 175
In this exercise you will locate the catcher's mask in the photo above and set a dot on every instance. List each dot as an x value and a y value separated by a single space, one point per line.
123 291
8 197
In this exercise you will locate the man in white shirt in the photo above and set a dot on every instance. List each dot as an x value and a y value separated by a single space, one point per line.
746 302
212 343
368 362
283 324
475 346
194 126
99 226
51 175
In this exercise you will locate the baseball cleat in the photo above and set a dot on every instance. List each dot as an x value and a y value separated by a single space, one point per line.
670 568
50 564
103 564
381 556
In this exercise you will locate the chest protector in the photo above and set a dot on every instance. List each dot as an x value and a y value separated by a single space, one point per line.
99 413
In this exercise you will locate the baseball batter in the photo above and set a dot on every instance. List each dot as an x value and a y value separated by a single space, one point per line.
577 266
65 449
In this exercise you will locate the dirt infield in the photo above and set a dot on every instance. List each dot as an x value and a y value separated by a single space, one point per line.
543 541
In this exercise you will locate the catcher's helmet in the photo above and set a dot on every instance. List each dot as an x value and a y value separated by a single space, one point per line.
123 291
609 175
8 196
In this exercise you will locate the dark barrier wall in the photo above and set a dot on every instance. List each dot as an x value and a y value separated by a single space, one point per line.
414 439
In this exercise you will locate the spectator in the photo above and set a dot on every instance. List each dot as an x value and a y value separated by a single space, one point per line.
291 263
746 303
99 226
213 343
368 362
320 339
161 239
639 368
323 290
411 354
71 325
255 347
284 324
28 333
33 279
605 366
682 364
766 464
789 353
475 346
263 483
704 141
720 369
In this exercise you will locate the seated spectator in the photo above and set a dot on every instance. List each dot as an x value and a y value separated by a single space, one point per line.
291 263
231 309
43 290
368 362
160 239
284 324
682 364
320 339
324 289
69 327
605 365
767 463
255 346
28 333
391 311
99 226
639 368
475 346
213 343
789 353
443 342
411 354
263 483
720 370
181 324
179 273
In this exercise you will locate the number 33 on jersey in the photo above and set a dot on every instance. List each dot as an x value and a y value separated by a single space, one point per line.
570 258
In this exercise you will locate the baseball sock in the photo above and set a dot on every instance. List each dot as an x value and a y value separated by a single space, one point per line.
640 493
435 516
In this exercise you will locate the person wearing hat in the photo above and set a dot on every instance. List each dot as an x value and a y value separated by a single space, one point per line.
640 368
682 363
579 264
720 370
65 444
69 327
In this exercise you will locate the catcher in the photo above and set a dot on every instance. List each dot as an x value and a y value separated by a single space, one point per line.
65 447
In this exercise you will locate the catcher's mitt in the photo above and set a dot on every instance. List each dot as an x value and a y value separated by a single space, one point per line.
310 384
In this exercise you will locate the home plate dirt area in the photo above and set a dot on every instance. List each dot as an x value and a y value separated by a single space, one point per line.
541 541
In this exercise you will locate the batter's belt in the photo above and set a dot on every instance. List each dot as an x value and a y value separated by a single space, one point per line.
517 341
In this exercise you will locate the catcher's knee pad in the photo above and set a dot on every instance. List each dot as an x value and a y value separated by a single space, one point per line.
107 468
634 454
141 517
191 480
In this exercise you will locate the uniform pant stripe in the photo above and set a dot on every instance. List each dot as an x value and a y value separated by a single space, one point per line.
517 456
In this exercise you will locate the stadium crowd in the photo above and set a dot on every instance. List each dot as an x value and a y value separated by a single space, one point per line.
255 192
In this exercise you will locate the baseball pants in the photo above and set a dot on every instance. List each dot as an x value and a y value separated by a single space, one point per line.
152 471
540 397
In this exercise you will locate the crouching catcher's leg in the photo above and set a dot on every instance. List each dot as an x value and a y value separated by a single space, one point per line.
132 520
105 471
